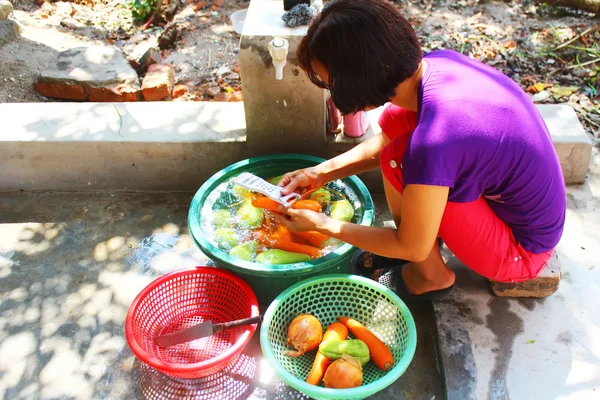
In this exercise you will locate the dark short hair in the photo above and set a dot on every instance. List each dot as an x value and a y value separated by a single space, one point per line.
368 49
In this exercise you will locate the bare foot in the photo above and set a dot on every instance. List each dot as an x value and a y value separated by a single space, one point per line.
417 284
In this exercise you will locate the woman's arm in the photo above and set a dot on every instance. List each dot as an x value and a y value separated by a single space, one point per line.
362 158
421 216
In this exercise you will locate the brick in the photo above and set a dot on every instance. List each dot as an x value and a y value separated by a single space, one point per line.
158 82
179 91
116 93
60 91
213 91
237 96
150 57
544 285
223 96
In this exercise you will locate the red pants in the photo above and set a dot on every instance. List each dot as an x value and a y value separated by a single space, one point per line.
472 231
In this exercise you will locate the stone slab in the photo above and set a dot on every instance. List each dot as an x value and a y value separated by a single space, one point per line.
572 144
9 31
70 265
94 66
544 285
499 348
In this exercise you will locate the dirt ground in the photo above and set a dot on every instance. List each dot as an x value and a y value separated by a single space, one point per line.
553 53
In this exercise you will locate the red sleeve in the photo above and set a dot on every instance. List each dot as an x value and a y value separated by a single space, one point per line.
395 121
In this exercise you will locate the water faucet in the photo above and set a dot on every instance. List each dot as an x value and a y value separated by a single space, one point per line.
278 48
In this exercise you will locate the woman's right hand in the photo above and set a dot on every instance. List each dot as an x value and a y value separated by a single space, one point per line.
301 181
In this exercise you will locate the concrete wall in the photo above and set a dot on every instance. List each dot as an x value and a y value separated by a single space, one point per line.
177 146
133 146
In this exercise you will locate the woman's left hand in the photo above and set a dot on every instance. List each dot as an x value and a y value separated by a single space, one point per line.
303 220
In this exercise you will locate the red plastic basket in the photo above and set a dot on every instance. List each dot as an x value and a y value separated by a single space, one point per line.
184 298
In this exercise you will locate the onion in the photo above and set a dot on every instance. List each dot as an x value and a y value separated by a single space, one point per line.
304 334
344 373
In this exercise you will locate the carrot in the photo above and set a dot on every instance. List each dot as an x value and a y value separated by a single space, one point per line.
307 205
313 252
380 354
267 204
336 331
282 239
317 239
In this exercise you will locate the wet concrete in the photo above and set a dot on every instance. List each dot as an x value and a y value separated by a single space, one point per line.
520 349
70 265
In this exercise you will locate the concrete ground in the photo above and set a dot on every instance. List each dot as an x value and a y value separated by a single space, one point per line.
70 265
496 348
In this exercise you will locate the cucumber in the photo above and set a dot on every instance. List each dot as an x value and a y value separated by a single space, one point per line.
280 257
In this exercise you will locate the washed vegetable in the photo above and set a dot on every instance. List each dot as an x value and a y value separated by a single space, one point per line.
307 205
304 334
342 210
282 239
317 239
276 256
249 216
275 180
242 192
245 251
226 238
344 373
322 196
222 218
267 204
380 354
336 331
336 348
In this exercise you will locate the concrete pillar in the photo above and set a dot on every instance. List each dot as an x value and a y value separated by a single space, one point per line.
287 115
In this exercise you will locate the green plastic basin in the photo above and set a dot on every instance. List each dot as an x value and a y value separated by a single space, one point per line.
268 281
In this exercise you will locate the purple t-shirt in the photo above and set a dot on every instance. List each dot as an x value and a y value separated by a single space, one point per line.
479 134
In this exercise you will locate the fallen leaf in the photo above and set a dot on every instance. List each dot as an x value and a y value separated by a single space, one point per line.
582 248
530 342
561 91
538 87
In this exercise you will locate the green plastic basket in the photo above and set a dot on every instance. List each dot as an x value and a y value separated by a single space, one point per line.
268 281
328 297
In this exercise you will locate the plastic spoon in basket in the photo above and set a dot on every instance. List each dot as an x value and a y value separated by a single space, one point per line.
201 330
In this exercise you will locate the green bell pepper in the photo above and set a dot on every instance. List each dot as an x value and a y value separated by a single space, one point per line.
322 196
249 216
336 348
245 251
226 238
342 210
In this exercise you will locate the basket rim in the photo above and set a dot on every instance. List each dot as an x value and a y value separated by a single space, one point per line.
361 391
257 269
224 357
